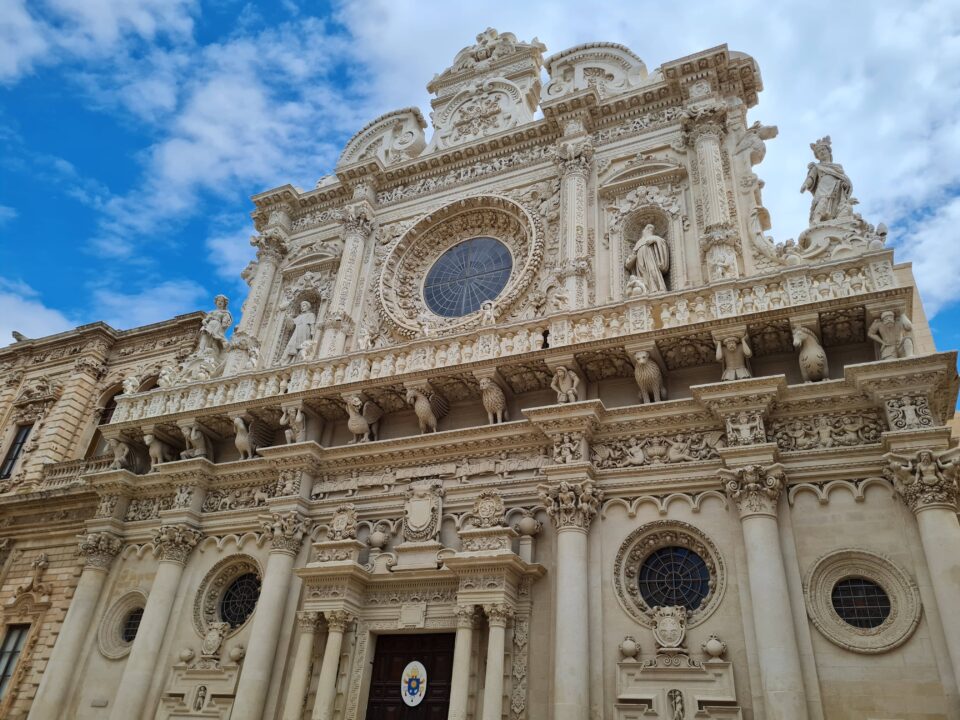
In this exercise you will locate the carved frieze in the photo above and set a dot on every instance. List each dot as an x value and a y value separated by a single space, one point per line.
657 450
826 431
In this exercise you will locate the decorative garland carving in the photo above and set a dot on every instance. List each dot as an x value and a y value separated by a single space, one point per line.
206 605
826 431
657 450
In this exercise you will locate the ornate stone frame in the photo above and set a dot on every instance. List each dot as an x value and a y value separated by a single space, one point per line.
109 639
905 605
206 604
410 258
640 543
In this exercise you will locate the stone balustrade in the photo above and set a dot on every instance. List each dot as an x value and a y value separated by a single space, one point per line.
64 474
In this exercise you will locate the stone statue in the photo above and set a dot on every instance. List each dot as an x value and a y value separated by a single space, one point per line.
827 182
813 358
294 425
565 384
213 329
159 451
734 355
648 261
676 704
429 408
303 326
893 335
201 698
494 401
131 383
649 377
122 459
363 419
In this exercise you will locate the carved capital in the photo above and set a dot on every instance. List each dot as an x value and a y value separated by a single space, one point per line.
926 479
466 616
498 614
338 620
89 366
307 621
285 531
99 549
573 157
571 505
755 488
357 219
175 542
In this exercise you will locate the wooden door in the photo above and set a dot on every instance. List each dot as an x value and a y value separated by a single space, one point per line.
392 655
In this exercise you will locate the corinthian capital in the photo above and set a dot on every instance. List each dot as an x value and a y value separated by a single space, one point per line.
571 505
175 542
357 219
270 244
926 479
99 549
755 488
286 531
498 614
574 156
338 620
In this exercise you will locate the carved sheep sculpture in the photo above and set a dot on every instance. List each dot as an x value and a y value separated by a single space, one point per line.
813 358
159 451
494 401
649 378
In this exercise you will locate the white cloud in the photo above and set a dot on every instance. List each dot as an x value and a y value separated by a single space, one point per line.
21 309
229 251
149 304
7 214
931 244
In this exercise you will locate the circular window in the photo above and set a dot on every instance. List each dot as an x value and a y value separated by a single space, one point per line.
861 601
674 576
240 599
130 626
668 563
466 276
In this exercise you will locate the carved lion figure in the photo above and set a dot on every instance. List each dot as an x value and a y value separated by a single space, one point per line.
649 378
494 401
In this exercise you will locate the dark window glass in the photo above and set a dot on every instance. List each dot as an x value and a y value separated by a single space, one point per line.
130 626
108 410
466 276
861 603
10 653
674 576
19 440
240 599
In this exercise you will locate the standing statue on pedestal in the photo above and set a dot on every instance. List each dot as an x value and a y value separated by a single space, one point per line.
213 330
827 182
649 260
303 326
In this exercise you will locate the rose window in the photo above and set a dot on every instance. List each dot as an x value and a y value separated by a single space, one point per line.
674 576
240 599
466 276
860 602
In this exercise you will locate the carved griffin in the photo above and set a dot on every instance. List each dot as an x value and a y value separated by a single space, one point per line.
364 419
429 407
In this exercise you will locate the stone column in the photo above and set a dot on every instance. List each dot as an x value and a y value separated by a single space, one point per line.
302 663
174 542
572 507
285 531
462 650
358 224
497 617
574 156
756 490
337 622
927 482
98 551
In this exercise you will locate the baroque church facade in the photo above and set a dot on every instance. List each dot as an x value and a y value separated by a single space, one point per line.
524 419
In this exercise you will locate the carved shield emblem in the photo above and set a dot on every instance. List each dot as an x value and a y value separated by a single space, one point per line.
419 512
670 626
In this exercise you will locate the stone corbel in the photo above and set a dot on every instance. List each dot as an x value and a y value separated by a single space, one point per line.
569 429
743 406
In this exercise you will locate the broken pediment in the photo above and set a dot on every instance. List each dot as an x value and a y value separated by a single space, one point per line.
391 138
609 68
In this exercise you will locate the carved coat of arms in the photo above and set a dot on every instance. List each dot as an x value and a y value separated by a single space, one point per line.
421 512
670 626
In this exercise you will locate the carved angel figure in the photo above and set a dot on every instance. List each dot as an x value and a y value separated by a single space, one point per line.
364 419
649 377
303 327
734 355
430 407
565 384
827 182
494 401
649 260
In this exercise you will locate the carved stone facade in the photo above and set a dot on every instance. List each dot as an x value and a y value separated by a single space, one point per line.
533 384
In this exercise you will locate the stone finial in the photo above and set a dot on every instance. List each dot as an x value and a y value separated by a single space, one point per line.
926 479
175 542
755 488
571 505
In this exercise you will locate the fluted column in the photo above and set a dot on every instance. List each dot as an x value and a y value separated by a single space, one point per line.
498 615
98 551
302 662
174 542
927 482
462 650
572 507
285 531
705 134
756 490
574 158
337 623
358 224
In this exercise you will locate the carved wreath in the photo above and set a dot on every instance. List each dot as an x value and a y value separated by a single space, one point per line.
645 540
400 287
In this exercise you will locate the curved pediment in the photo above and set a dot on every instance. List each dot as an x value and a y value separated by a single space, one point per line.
391 138
610 68
642 171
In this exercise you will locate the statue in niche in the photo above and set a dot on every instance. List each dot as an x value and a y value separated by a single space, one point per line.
648 261
676 704
303 326
213 329
827 182
893 335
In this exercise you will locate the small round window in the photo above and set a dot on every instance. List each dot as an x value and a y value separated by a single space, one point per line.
131 624
860 602
240 599
466 276
674 576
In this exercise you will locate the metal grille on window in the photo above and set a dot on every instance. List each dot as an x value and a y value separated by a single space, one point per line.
131 624
466 276
674 576
860 602
10 653
240 599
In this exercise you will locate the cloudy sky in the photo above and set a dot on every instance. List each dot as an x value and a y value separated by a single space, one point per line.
132 132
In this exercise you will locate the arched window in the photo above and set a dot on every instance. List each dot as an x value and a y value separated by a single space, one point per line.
108 403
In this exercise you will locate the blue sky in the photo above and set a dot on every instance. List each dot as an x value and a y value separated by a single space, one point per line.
132 132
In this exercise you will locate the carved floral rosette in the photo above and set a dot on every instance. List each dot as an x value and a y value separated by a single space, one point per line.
399 288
